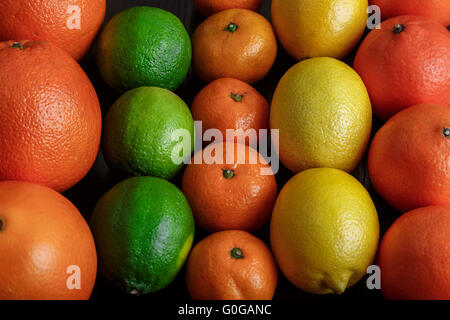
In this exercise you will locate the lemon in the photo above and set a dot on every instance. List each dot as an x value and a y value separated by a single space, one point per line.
324 230
319 28
324 115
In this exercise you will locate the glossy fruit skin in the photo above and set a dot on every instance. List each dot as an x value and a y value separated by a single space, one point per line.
409 158
138 136
144 46
246 54
323 112
209 7
406 68
438 10
42 235
49 20
144 229
243 202
213 274
308 29
414 256
228 103
50 116
324 231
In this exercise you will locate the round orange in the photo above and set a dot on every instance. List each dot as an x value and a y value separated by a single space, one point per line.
414 256
231 265
404 63
71 25
231 104
235 43
50 118
438 10
46 246
409 159
209 7
233 187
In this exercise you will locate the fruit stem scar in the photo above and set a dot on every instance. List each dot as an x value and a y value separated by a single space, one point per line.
236 97
2 224
398 28
232 27
448 27
446 132
17 45
236 253
227 173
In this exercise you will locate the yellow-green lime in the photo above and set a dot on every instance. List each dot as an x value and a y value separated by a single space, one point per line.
148 131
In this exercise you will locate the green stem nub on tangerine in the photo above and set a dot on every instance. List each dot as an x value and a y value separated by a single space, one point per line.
232 27
448 27
446 132
236 253
227 173
398 28
237 97
2 224
17 45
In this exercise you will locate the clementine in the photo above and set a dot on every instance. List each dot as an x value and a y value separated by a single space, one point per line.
406 62
209 7
70 24
231 265
46 248
50 118
414 256
438 10
235 43
409 159
228 103
233 188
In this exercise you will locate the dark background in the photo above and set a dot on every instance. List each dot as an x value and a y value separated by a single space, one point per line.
99 180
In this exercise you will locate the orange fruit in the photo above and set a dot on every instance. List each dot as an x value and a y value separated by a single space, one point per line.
228 103
71 25
209 7
231 265
414 256
438 10
50 118
46 246
235 43
409 159
404 63
237 194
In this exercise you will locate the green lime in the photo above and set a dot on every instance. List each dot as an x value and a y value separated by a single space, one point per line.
143 130
144 46
143 229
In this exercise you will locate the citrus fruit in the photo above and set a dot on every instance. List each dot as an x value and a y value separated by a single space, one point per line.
235 43
438 10
231 265
209 7
143 229
140 135
47 249
70 25
144 46
50 118
323 112
320 28
409 159
231 104
404 63
232 188
324 230
414 256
